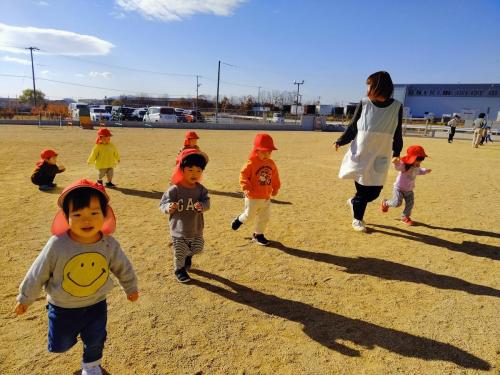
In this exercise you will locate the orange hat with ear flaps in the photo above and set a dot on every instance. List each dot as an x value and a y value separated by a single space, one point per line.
412 153
60 224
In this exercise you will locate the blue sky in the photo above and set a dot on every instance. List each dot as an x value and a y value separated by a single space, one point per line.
123 45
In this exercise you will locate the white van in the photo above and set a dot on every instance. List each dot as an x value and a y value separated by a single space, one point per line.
163 115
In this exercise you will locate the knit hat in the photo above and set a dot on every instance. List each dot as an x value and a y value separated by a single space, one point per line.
177 175
412 153
262 142
190 135
102 132
60 223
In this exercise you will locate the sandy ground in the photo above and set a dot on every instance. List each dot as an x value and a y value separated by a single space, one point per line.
321 299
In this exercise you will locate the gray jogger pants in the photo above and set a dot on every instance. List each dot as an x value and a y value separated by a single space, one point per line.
397 199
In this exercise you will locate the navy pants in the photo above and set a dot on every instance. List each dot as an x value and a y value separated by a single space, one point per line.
364 194
89 322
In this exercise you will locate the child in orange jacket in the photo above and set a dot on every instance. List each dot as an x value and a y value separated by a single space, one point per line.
259 180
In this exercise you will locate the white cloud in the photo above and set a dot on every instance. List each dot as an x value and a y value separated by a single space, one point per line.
118 15
176 10
105 75
51 41
16 60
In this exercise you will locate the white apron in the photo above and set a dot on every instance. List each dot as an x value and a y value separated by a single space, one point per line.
369 156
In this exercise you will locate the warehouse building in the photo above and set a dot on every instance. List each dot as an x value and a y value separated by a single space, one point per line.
446 99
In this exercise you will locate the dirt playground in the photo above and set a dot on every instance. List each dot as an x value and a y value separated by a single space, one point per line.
321 299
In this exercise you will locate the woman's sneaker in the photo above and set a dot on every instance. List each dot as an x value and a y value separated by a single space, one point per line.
358 225
182 276
92 368
407 220
260 239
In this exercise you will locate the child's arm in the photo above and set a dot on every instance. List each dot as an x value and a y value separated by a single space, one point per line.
116 154
36 277
122 268
168 203
93 155
422 171
245 176
60 168
204 203
398 165
275 181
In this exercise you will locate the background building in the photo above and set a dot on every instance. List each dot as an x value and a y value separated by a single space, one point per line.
444 98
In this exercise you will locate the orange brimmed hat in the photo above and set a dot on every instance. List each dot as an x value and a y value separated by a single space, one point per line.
60 224
412 153
47 154
177 173
190 135
102 132
262 142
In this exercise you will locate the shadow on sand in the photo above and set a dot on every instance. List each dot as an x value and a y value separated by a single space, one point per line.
474 232
467 247
328 328
240 195
140 193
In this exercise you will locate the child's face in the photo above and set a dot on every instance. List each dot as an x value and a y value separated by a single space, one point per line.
85 224
192 175
52 160
264 154
105 139
192 141
418 161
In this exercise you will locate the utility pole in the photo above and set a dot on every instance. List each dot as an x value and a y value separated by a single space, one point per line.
258 96
298 95
217 101
33 72
197 87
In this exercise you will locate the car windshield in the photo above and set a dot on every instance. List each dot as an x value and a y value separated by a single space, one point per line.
98 110
167 111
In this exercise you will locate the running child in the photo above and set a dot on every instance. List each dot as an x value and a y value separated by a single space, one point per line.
185 201
74 268
104 156
259 180
409 168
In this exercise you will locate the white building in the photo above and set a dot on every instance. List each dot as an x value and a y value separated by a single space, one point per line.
449 98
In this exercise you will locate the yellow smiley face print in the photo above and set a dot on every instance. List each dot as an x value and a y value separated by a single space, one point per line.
84 274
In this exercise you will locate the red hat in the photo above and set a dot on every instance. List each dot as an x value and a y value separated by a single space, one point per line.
104 132
263 142
191 135
412 153
60 224
177 173
47 154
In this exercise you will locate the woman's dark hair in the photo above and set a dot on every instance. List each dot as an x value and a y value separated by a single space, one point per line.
81 198
380 84
482 115
419 158
194 160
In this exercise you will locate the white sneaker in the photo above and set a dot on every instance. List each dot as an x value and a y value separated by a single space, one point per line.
358 225
92 368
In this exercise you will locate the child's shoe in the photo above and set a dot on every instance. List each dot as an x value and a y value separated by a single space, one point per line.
188 262
110 184
99 182
182 276
407 220
358 225
260 239
236 224
92 368
45 187
383 206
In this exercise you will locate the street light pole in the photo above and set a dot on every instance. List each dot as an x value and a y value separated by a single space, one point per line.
298 94
33 72
217 100
197 87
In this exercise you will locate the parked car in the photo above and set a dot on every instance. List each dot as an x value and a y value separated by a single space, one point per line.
179 112
278 118
123 114
138 114
193 116
99 114
165 115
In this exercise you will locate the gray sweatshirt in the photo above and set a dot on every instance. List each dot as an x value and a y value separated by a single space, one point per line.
75 274
186 221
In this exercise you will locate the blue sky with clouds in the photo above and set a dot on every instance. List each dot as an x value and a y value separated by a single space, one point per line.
157 47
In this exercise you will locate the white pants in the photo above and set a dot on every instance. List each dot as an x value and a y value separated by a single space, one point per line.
260 209
476 138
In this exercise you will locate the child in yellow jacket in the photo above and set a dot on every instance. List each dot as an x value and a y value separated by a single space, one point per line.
259 180
105 156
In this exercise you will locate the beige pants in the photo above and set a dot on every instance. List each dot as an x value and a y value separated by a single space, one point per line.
476 138
108 172
260 209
